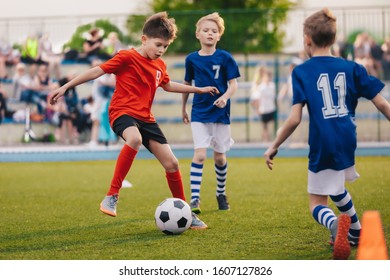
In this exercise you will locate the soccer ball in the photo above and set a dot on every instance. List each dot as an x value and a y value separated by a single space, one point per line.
173 216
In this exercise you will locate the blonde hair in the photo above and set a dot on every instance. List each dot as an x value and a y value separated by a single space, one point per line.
215 17
321 28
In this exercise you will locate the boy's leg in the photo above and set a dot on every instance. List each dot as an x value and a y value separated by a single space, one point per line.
345 205
123 164
201 134
324 216
125 127
175 184
320 185
221 173
196 173
339 230
221 168
222 143
170 163
338 227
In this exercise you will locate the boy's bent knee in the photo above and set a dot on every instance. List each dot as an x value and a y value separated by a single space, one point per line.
220 159
200 156
172 165
134 142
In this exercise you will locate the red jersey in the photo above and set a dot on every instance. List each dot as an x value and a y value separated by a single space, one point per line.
137 79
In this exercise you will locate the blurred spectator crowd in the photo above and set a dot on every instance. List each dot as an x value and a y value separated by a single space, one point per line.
374 56
35 70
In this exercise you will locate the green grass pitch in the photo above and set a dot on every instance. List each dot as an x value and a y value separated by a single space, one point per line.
50 211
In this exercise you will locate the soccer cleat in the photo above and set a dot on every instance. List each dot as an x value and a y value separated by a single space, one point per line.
340 229
197 223
108 205
352 242
223 203
195 206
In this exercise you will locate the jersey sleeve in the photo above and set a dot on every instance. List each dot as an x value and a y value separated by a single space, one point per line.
367 86
189 70
298 91
233 71
112 65
166 77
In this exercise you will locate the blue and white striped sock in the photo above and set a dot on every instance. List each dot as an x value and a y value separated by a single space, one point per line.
221 172
345 205
196 173
324 216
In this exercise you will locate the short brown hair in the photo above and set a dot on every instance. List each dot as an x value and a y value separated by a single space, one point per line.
160 26
321 28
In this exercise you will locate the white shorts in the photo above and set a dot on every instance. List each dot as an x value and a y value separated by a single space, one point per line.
329 181
215 135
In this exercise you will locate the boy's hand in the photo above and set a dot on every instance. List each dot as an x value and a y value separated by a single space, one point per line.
211 90
55 95
269 155
220 102
185 117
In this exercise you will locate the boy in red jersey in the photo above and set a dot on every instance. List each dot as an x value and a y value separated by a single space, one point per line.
139 72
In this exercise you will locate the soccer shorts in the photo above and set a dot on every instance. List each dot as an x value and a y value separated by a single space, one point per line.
266 118
149 131
329 181
215 135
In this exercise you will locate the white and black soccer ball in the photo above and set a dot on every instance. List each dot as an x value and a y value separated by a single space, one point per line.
173 216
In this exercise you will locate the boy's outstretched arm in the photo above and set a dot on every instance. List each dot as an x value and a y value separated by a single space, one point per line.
181 88
382 105
283 133
86 76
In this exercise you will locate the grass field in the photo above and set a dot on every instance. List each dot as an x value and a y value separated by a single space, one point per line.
50 211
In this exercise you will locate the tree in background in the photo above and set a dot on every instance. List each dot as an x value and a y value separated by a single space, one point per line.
251 25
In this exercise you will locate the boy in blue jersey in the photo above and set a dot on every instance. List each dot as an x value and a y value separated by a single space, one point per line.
210 117
330 88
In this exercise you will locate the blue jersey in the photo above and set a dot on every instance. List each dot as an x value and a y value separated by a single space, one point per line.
331 87
211 70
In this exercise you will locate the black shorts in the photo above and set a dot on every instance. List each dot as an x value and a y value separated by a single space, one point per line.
149 131
265 118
